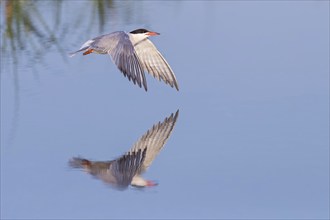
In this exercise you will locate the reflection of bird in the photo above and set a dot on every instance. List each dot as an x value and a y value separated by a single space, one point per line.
128 168
133 53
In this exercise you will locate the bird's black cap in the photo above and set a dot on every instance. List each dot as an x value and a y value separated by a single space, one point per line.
139 31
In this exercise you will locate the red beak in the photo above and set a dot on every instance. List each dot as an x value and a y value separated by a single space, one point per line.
151 183
151 33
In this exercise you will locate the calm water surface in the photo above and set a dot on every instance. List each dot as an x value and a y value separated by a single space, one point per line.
252 139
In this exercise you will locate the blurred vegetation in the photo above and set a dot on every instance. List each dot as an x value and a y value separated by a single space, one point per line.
27 30
32 29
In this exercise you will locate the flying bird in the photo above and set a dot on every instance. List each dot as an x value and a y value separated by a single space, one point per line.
133 53
128 169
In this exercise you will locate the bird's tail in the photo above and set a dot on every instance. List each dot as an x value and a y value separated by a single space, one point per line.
85 46
78 162
74 53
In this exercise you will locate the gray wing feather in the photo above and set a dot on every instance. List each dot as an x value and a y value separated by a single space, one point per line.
122 52
128 63
154 63
154 140
124 168
118 173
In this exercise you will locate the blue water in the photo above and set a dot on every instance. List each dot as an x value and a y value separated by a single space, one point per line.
252 138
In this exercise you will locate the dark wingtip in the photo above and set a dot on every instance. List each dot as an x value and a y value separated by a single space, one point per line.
175 86
177 113
145 85
175 116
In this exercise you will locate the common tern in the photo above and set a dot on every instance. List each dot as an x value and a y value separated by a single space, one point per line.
133 53
127 169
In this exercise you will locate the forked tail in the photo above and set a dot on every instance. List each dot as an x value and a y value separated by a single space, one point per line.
77 162
85 46
74 53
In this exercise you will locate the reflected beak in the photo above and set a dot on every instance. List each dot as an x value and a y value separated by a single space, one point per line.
151 33
151 183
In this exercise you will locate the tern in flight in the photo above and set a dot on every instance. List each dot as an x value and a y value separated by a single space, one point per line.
133 53
127 169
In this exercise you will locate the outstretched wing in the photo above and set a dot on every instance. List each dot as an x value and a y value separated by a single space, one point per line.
127 61
154 140
118 173
154 63
121 50
124 168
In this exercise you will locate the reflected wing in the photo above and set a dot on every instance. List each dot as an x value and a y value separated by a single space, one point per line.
154 62
122 52
125 167
118 173
154 139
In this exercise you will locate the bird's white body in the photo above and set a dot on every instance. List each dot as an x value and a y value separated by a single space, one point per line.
139 181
